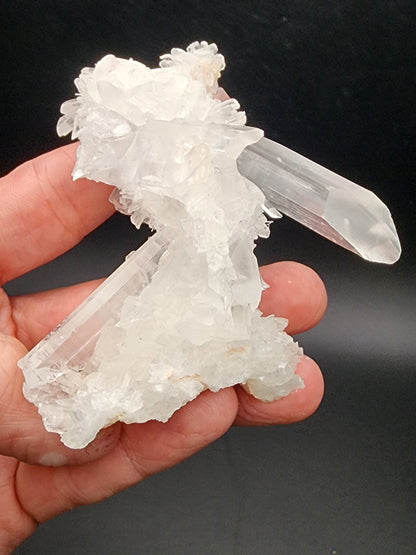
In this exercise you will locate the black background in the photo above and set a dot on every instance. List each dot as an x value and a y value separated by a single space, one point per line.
334 80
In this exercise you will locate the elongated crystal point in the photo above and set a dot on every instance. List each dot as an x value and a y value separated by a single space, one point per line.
327 203
64 360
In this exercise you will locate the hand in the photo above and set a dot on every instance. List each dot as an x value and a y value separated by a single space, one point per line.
44 213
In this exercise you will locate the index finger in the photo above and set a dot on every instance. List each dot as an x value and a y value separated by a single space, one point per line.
44 212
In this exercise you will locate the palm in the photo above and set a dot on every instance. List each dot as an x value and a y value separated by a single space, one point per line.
39 476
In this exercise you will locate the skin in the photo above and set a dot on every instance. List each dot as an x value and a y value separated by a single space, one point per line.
43 214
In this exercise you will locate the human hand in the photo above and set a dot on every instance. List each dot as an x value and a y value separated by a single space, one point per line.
44 213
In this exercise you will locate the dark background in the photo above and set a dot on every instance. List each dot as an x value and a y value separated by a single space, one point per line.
334 80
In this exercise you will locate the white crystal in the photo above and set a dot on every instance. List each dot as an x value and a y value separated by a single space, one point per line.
180 315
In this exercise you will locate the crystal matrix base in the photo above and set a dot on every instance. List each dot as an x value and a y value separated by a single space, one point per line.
71 377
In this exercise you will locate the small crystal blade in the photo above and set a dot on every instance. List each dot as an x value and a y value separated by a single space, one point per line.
327 203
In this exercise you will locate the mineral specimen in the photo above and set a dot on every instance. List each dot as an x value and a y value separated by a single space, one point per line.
180 315
164 327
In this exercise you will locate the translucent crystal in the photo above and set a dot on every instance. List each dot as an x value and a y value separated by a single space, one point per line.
180 315
329 204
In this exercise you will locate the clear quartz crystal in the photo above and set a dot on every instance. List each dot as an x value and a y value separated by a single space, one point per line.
59 364
180 314
327 203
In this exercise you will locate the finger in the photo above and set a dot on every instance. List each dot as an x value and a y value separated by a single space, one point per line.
35 315
295 292
44 212
296 406
22 434
143 449
15 524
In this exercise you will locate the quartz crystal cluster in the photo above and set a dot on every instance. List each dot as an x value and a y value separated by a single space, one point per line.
181 314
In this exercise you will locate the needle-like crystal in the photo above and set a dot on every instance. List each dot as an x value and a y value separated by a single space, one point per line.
327 203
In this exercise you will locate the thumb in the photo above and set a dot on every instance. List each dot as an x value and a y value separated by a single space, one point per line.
22 434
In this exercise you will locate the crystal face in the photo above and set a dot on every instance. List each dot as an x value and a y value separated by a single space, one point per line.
180 315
